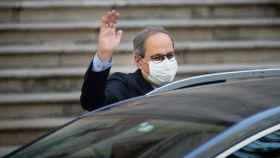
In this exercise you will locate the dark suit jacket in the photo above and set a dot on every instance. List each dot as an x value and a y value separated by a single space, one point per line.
98 90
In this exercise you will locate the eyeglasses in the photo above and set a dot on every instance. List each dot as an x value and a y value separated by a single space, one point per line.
161 57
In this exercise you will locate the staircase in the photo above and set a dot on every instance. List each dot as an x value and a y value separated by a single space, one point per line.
46 46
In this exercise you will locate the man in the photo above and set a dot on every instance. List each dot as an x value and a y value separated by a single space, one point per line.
154 56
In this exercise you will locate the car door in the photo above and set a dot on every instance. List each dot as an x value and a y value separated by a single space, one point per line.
263 144
255 137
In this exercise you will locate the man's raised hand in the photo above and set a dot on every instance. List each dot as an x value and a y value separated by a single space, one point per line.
109 37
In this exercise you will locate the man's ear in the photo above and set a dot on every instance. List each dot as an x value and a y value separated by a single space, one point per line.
138 60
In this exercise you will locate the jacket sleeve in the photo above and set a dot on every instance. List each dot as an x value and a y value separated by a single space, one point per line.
97 91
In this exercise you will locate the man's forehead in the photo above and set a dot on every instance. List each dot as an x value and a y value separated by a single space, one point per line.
159 43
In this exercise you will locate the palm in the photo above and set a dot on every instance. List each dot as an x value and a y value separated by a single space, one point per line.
108 40
109 37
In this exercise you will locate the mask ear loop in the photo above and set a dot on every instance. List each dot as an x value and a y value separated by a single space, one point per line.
138 59
141 64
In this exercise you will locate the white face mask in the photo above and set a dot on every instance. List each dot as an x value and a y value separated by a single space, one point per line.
162 72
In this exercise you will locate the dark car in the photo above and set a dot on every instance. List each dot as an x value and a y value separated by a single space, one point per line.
234 115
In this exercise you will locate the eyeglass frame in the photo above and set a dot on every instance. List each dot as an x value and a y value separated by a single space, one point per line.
161 57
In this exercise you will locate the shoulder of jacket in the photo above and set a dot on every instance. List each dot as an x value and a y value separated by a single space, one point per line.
124 77
118 76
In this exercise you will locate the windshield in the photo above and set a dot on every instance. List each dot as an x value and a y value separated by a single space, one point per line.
120 137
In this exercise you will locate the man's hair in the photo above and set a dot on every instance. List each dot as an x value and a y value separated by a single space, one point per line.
141 37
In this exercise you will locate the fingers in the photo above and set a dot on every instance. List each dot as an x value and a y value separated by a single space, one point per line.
109 19
103 21
113 16
119 35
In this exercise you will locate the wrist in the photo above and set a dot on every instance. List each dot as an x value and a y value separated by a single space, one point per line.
104 56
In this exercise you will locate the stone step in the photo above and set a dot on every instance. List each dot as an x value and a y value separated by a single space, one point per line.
88 10
182 29
109 3
48 80
38 105
17 132
204 52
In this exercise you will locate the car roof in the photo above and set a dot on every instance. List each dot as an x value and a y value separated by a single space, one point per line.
224 103
216 78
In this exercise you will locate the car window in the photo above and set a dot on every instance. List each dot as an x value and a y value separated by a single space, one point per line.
114 137
267 146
